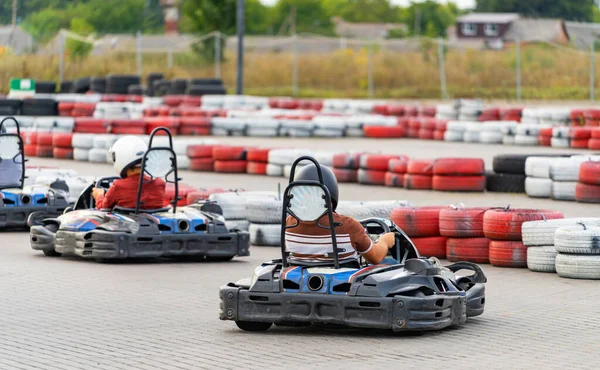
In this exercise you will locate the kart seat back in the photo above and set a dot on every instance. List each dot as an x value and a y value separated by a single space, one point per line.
118 209
11 162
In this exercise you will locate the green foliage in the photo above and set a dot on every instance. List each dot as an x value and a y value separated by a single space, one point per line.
375 11
79 49
310 16
574 10
429 18
44 25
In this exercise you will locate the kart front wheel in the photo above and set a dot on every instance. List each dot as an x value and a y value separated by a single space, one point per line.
219 259
253 325
52 253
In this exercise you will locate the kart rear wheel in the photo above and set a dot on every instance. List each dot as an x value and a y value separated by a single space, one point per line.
253 326
219 259
52 253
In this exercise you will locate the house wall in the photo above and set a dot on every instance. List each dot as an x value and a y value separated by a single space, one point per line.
502 28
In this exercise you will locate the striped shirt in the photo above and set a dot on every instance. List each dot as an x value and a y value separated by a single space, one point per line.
308 242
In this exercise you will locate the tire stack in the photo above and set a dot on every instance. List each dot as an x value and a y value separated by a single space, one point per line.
440 130
538 183
469 109
446 112
503 228
63 145
203 194
264 216
230 159
101 144
472 133
44 147
119 84
422 225
564 173
508 176
464 229
373 168
578 253
345 167
459 174
201 157
580 137
258 161
545 136
493 131
10 107
588 188
527 134
419 174
233 205
560 137
455 131
397 168
95 84
538 237
39 107
82 144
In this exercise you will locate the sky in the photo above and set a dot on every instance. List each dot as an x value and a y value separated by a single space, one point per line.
460 3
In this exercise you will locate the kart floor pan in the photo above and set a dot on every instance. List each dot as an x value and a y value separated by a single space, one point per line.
16 217
398 313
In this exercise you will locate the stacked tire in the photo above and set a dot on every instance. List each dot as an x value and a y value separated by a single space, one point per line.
63 145
419 174
503 228
578 253
564 173
258 161
264 216
464 229
538 183
508 175
422 225
373 168
459 174
345 167
394 177
588 188
233 205
594 143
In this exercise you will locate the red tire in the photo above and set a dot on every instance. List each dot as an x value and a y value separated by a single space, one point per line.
412 133
376 162
44 138
587 193
371 177
345 160
201 194
231 166
202 164
127 127
508 254
345 175
420 167
580 133
459 166
384 132
398 166
257 168
194 131
62 140
171 123
29 138
441 125
258 155
44 151
589 173
462 222
30 150
90 125
594 144
595 133
62 153
434 246
229 153
414 124
200 151
545 140
173 100
500 224
546 131
418 182
439 134
580 143
395 180
428 124
425 134
458 183
468 249
418 222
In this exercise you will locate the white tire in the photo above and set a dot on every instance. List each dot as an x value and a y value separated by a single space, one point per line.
508 140
104 141
560 142
564 190
81 154
355 132
264 211
98 155
274 170
560 132
368 209
538 167
528 130
541 233
526 140
565 169
453 136
183 162
234 204
578 266
242 225
578 239
456 126
85 141
320 132
265 235
538 188
471 136
541 259
491 137
262 132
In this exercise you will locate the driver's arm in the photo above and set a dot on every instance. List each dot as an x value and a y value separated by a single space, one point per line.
109 199
373 252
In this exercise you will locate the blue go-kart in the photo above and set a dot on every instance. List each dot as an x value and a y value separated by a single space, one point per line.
411 294
195 231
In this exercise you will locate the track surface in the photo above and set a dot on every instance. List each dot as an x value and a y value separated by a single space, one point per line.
72 314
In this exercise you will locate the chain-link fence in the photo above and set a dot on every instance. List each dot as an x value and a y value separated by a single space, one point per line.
311 65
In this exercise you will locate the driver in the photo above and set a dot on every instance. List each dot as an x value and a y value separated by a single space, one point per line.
127 153
311 243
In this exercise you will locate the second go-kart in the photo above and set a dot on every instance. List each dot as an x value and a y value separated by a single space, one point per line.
196 230
412 294
18 202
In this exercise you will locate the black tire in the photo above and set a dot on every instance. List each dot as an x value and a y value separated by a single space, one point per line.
52 253
253 326
10 107
98 84
156 76
199 90
161 88
219 259
515 163
45 87
39 107
81 86
505 183
135 90
179 86
66 87
118 84
206 81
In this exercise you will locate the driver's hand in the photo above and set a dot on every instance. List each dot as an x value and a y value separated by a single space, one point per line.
388 239
96 192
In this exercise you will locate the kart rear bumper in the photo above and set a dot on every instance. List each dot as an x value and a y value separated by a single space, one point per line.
395 313
16 217
101 244
41 238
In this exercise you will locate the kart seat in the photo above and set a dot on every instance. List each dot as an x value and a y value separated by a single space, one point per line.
132 210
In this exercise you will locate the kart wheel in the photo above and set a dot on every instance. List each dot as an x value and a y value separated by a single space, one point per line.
219 259
52 253
253 326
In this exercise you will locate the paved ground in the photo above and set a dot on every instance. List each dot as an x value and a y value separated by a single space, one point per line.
72 314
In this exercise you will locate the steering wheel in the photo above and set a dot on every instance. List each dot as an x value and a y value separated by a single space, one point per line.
403 249
86 199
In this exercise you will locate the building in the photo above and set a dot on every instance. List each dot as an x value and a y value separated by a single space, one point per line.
16 40
583 35
366 30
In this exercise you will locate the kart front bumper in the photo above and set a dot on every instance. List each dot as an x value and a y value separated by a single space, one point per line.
16 217
101 244
396 313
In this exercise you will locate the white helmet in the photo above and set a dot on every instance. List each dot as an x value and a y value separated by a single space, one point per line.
126 153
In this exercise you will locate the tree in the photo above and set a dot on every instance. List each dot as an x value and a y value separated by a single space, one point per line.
75 48
310 17
429 18
44 25
574 10
376 11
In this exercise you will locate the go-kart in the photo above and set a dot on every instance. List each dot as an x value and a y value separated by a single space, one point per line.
18 202
412 293
196 230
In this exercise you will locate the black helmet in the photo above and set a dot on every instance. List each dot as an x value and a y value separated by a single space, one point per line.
309 173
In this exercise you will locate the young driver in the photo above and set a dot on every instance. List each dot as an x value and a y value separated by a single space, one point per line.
127 153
